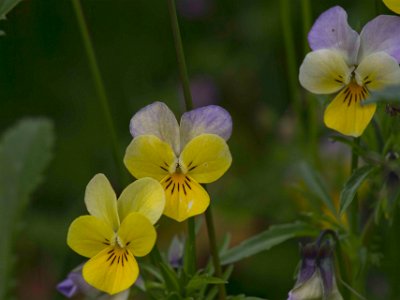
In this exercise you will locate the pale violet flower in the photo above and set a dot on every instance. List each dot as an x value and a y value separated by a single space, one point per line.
351 64
316 279
182 155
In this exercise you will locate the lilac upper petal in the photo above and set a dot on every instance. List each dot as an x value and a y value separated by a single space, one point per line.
381 34
208 119
331 30
156 119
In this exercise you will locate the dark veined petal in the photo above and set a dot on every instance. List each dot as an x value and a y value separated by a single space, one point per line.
113 270
184 197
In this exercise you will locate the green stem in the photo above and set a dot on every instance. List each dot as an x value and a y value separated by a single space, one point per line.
99 86
354 204
311 104
291 58
214 250
306 12
155 256
356 279
180 55
191 247
189 105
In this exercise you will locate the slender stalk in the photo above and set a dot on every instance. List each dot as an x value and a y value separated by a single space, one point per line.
180 55
356 280
155 256
354 204
99 86
306 18
312 124
214 250
189 105
191 247
291 58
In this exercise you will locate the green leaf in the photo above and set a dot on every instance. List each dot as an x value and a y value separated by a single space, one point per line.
350 188
25 151
170 277
273 236
214 290
316 186
199 281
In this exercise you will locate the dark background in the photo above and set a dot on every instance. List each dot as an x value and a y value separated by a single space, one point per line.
236 58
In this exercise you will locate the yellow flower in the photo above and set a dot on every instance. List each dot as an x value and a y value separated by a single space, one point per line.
393 5
351 64
180 156
116 231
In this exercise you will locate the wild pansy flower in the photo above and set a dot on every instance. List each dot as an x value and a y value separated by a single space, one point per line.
352 64
180 156
116 231
393 5
316 278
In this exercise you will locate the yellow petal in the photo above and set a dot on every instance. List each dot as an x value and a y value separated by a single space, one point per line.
184 197
148 156
88 235
377 71
137 234
112 270
346 114
324 71
101 201
145 196
206 158
393 5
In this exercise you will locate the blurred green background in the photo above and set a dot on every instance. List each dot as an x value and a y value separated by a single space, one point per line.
236 58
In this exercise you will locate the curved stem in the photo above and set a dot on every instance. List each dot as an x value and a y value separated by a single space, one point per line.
354 204
189 105
291 59
180 55
99 86
214 250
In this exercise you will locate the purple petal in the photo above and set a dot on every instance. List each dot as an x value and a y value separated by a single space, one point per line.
326 268
209 119
381 34
175 253
331 30
308 263
156 119
67 287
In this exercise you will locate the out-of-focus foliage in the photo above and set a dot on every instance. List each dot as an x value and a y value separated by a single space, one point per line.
236 58
25 151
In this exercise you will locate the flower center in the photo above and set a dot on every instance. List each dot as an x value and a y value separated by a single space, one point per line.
118 255
354 92
177 182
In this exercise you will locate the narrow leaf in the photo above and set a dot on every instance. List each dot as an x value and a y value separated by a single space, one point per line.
273 236
350 188
199 281
316 186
